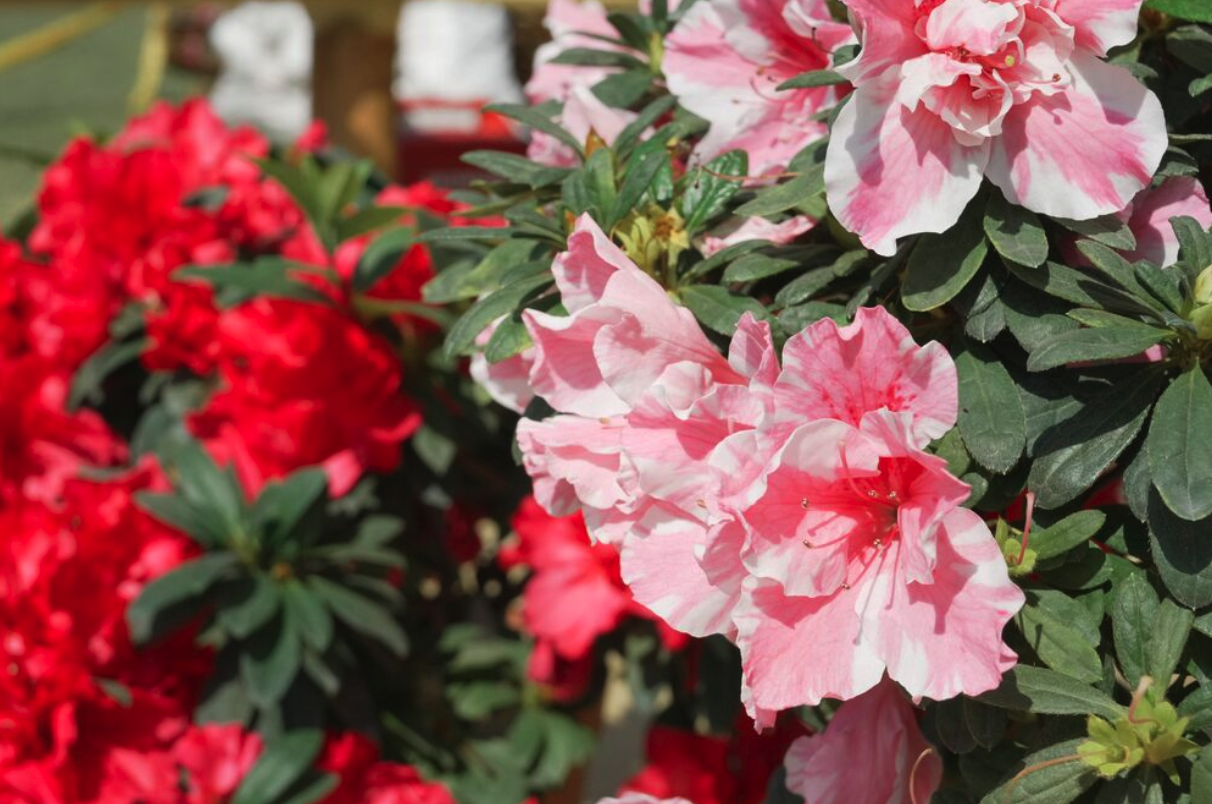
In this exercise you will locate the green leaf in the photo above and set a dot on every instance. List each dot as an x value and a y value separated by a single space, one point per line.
271 662
311 788
1194 242
1015 232
1192 10
1180 446
1047 692
813 78
1102 343
783 197
536 118
213 492
941 265
1201 769
368 220
510 338
1046 777
804 287
1132 620
86 384
642 169
515 168
753 267
622 90
1075 529
1108 230
462 336
590 57
711 187
1182 552
176 512
248 603
179 587
308 612
362 615
648 116
271 277
991 417
478 699
282 763
291 508
719 309
1171 627
1058 644
1073 453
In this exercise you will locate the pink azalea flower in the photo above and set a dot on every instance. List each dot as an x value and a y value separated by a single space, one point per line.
741 230
889 573
724 61
1149 214
569 21
949 92
880 726
621 333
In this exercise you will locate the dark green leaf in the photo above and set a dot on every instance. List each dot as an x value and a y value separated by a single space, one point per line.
514 168
804 287
1108 230
622 90
711 187
753 267
311 788
461 338
1194 242
308 612
1102 343
537 118
86 384
1058 643
1182 552
1180 446
1201 769
1132 621
1073 530
1054 775
941 265
182 585
1071 455
642 169
812 78
1015 232
589 57
1171 627
176 512
783 197
282 763
367 220
719 309
268 276
1036 689
291 508
271 662
247 603
991 417
648 116
362 615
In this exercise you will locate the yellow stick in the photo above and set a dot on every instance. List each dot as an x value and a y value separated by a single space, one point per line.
62 31
153 58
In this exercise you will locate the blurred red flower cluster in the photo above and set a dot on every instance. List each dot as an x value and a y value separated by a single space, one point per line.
84 716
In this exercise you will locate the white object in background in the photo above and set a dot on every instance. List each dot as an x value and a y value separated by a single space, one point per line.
454 52
265 53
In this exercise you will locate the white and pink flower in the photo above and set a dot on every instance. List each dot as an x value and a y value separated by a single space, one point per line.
880 726
948 92
724 61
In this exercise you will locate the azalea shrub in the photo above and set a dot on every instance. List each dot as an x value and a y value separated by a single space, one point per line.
871 339
824 397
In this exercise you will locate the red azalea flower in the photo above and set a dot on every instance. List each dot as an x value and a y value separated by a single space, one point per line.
367 779
305 385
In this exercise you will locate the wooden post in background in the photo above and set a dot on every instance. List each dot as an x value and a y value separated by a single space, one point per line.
355 52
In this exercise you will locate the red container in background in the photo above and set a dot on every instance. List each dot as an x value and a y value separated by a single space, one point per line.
429 154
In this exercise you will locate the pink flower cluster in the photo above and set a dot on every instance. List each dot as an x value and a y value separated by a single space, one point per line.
791 507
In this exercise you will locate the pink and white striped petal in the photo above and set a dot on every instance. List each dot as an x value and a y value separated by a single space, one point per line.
1101 24
891 172
1083 152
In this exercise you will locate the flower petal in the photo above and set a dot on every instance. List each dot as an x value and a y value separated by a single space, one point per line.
1083 152
890 171
1101 24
